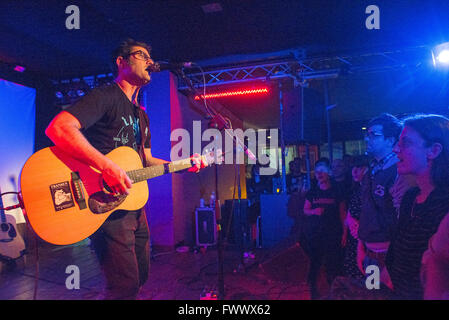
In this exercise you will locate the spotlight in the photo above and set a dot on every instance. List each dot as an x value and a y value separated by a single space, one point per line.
440 55
19 68
59 95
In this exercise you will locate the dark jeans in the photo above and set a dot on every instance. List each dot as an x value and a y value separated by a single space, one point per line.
323 249
373 258
122 248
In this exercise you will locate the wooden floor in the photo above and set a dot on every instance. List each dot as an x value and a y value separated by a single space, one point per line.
274 274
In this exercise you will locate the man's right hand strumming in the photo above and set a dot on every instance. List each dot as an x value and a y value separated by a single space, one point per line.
116 178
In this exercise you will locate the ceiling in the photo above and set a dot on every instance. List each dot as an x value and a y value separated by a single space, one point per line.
33 33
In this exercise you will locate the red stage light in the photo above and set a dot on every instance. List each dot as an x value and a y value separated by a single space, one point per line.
233 93
19 69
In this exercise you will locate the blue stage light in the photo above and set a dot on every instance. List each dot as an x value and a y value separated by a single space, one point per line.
440 55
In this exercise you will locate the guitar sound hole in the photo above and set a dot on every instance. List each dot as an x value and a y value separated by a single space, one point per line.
4 227
101 202
12 232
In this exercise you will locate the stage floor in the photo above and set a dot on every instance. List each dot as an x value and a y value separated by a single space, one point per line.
274 274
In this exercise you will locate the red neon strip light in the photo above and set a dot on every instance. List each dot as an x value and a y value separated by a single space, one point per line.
233 93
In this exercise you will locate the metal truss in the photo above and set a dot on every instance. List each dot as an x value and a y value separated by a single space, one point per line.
303 69
242 74
292 64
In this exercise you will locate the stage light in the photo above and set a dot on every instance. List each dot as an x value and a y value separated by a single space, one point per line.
443 57
80 93
72 93
234 93
59 95
19 68
440 55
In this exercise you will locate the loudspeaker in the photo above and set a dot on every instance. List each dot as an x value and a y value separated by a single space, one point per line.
304 116
236 224
206 227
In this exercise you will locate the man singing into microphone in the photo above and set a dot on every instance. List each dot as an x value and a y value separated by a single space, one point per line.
107 118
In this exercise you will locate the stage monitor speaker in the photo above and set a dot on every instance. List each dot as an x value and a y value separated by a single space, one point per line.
206 227
304 119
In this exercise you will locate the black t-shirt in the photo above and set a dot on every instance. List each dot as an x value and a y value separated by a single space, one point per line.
344 188
109 120
329 222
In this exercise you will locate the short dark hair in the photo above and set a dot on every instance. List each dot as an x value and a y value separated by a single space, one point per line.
434 128
124 49
391 126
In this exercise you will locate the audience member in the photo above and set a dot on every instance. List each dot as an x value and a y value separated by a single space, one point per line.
361 165
378 214
423 151
322 230
342 182
295 178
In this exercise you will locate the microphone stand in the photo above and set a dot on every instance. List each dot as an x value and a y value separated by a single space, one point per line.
241 224
219 122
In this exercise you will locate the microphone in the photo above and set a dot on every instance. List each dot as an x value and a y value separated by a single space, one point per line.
162 66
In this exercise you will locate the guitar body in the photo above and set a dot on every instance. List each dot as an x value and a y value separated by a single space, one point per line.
12 245
50 193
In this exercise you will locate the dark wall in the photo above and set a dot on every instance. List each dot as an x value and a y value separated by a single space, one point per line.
410 90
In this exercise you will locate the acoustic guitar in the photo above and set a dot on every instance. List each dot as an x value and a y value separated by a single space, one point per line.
66 200
12 245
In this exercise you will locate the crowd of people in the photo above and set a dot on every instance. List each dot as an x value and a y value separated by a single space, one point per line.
392 214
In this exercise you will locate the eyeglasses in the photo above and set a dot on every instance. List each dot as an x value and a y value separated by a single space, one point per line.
372 135
139 54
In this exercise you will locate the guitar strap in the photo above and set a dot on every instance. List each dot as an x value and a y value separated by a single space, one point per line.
144 125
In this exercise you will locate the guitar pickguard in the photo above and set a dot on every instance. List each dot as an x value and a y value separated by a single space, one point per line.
100 202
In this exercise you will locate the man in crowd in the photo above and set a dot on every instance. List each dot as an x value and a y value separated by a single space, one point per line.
381 193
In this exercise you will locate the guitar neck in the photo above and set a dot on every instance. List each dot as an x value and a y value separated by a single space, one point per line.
158 170
2 212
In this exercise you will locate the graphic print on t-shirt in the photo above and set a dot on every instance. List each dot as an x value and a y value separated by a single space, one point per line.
323 201
122 138
380 190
